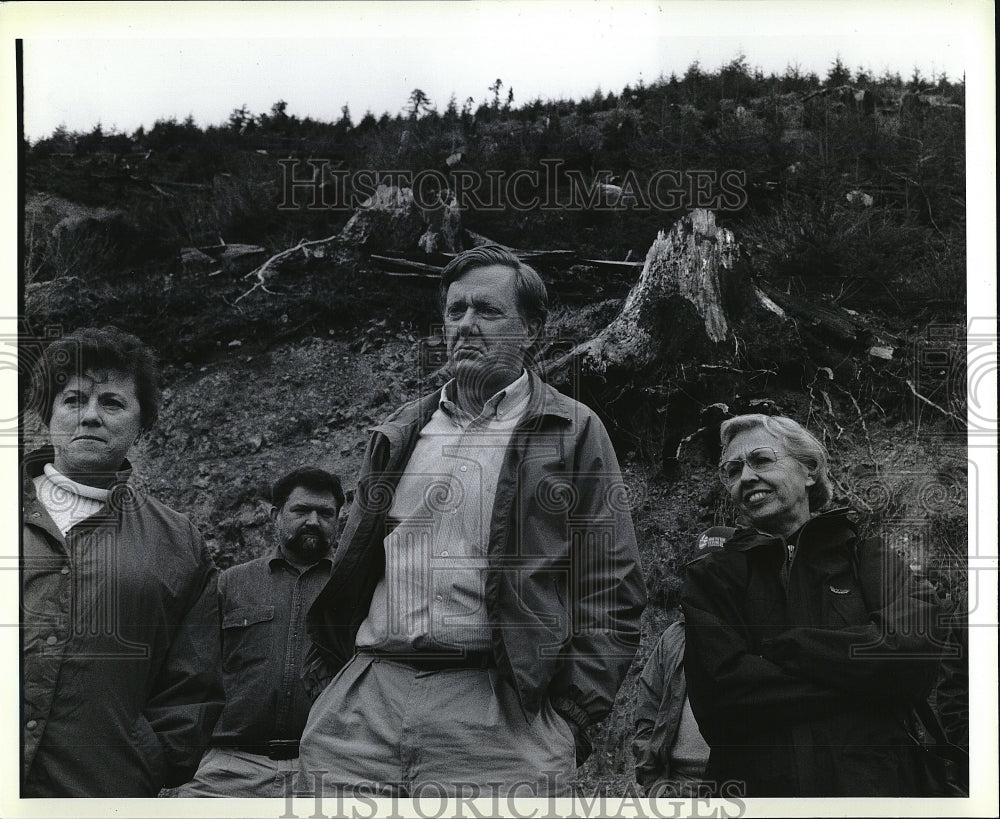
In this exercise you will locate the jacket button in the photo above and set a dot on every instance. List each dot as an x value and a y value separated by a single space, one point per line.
36 514
31 724
64 570
52 639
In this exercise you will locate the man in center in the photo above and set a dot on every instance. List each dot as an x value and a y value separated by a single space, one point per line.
484 603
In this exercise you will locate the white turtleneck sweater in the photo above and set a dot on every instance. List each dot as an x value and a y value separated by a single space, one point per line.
67 501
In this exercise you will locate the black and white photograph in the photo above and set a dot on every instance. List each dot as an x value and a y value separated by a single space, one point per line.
533 409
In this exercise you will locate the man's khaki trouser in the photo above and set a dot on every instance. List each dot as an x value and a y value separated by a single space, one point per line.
385 727
227 772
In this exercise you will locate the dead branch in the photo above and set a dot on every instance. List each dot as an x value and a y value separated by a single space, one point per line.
736 370
931 403
923 193
260 272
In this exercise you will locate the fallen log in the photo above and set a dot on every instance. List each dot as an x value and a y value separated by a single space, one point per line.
612 266
427 277
546 255
833 321
406 264
266 271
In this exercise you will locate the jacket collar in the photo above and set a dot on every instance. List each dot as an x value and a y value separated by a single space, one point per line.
545 402
834 523
276 557
514 396
120 497
548 402
34 465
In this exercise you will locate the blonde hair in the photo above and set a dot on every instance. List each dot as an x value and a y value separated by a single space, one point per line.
797 441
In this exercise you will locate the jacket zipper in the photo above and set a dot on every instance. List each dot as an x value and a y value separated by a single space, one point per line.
785 574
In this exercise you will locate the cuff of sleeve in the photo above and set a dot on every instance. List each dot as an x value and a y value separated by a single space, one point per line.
578 721
315 676
573 712
775 651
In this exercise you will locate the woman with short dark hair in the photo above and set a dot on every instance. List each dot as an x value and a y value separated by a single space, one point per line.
806 647
120 633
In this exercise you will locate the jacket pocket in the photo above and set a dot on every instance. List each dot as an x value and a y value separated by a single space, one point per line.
842 605
246 636
151 755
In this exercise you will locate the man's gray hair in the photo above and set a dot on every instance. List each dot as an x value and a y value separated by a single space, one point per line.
797 441
532 297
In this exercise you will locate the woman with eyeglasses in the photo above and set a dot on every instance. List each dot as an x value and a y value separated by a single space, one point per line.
806 647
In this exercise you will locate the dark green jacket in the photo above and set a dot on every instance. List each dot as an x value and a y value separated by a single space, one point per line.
799 678
564 590
120 642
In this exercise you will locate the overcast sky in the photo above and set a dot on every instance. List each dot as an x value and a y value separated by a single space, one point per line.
128 65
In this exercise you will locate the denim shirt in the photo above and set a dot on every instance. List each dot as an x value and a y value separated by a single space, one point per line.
263 607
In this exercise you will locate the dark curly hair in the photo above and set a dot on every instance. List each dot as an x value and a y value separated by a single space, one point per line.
104 349
308 477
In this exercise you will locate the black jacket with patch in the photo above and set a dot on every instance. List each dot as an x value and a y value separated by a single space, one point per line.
800 670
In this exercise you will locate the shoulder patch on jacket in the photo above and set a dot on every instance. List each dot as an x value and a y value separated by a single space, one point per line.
713 539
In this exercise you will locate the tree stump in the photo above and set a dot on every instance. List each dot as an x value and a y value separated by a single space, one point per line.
677 307
392 219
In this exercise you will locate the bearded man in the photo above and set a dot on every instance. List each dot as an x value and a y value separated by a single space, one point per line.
263 604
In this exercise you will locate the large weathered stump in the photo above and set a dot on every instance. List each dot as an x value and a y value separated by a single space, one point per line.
678 305
392 219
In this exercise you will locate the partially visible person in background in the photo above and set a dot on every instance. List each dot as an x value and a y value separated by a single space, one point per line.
807 649
670 752
255 746
119 607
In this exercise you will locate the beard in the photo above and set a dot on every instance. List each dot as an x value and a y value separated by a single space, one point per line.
308 543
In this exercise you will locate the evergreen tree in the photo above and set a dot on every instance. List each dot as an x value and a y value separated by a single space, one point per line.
692 82
735 81
496 87
451 115
419 103
839 74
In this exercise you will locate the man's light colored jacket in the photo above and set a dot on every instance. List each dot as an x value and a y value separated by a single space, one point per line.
564 590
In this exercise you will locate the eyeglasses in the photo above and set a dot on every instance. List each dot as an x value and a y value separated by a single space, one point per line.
762 459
